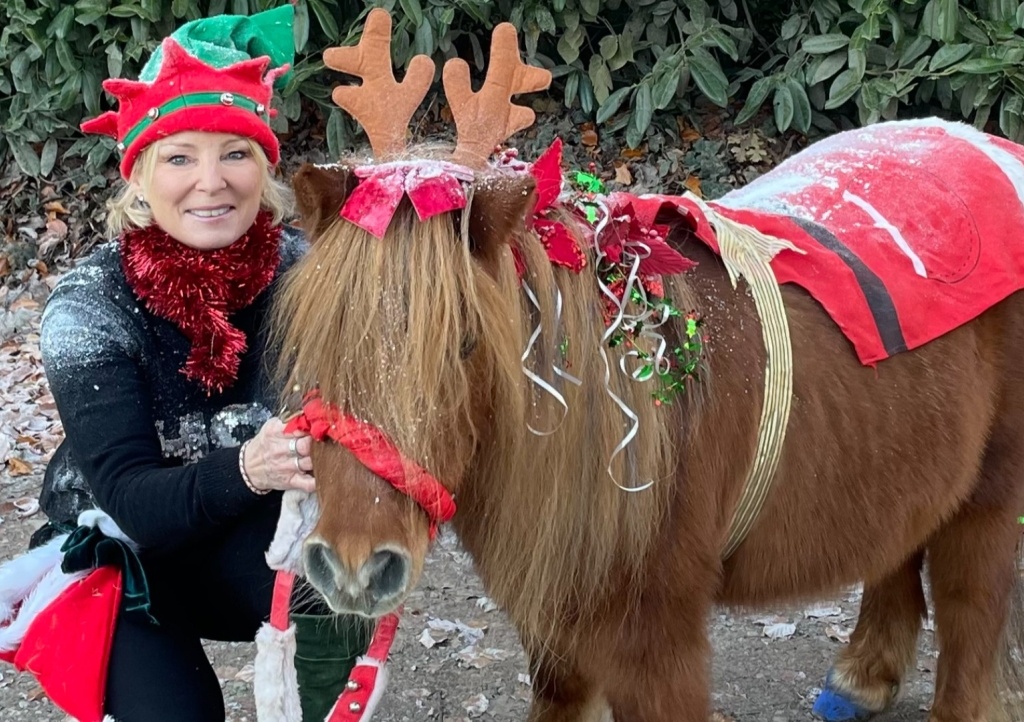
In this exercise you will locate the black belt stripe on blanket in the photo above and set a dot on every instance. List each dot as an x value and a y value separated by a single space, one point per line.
879 301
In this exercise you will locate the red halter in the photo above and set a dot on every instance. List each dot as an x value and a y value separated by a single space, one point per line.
377 453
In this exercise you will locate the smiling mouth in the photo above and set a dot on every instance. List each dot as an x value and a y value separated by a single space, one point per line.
211 212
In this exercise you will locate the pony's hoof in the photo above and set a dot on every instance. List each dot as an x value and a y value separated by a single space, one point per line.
833 705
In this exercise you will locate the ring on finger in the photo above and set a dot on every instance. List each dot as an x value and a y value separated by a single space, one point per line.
297 467
293 447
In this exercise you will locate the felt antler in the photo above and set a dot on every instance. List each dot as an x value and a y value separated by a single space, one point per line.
487 117
381 105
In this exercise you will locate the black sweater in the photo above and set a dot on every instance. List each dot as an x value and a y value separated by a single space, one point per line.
142 442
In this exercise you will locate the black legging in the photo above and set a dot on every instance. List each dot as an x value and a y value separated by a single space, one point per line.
217 589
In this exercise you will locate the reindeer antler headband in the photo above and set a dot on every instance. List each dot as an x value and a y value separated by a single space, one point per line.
384 107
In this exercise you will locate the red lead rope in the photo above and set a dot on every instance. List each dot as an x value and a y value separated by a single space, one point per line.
377 453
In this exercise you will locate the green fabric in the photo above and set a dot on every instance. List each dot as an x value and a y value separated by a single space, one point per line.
88 548
326 650
225 40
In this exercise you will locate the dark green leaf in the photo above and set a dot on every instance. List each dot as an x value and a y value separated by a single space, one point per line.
587 101
413 11
722 39
801 106
300 25
336 135
640 120
62 23
665 87
569 44
65 56
423 40
240 7
608 46
98 156
915 48
326 19
114 61
981 66
179 8
828 67
708 75
572 89
949 54
856 58
590 8
844 87
755 99
822 44
612 104
25 157
600 78
48 157
791 27
783 106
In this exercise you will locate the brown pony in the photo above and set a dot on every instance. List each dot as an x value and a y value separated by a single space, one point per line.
422 333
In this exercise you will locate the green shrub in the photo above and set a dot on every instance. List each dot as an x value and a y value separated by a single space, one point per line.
618 62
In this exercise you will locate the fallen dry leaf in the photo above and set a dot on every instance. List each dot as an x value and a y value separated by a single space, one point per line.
632 153
838 633
588 135
26 506
780 630
17 467
476 705
58 228
55 207
622 175
692 184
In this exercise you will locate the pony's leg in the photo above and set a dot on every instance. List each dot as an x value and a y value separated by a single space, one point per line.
972 565
668 680
562 695
867 675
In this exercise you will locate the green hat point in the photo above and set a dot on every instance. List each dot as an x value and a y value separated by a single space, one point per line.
226 40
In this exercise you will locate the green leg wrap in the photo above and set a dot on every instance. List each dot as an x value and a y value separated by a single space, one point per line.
326 650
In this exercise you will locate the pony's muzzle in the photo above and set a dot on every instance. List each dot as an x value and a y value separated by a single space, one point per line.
375 588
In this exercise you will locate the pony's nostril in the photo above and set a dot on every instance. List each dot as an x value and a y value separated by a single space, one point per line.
387 572
320 564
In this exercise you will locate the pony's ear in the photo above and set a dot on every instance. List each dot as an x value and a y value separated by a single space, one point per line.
500 205
320 192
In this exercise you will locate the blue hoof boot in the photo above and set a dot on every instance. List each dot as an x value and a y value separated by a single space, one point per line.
834 706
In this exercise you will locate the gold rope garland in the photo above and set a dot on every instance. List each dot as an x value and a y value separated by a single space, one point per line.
748 253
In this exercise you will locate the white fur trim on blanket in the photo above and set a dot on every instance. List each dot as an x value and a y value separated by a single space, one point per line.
109 527
19 576
299 514
48 588
275 684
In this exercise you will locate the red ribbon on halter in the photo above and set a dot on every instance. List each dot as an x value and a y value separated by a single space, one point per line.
376 452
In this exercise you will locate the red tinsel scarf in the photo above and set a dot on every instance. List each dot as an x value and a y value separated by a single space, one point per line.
197 291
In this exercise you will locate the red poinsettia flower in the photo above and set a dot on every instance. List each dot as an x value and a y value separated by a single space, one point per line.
623 228
561 247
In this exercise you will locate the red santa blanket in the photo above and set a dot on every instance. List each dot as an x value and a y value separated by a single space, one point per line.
909 228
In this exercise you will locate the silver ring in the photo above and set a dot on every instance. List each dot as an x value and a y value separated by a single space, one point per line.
297 467
293 447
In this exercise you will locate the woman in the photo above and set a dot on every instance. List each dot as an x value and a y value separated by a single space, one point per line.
156 354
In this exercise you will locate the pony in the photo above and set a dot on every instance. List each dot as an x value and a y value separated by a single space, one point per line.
600 515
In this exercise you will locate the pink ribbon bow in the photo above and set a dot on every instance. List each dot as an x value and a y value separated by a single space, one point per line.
433 187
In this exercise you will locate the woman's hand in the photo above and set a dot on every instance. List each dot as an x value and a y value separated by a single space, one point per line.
274 460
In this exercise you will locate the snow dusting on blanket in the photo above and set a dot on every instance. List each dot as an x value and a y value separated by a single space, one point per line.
911 228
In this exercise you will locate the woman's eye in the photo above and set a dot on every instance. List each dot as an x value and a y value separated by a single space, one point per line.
177 159
238 155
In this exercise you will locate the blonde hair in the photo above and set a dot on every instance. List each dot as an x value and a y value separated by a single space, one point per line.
125 212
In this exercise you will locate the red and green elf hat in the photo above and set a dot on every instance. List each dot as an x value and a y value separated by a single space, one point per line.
210 75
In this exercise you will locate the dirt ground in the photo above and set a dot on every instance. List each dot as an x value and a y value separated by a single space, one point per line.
456 658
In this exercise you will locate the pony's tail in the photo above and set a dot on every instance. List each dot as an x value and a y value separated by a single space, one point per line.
1009 705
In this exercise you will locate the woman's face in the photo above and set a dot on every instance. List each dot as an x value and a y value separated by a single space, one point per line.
205 189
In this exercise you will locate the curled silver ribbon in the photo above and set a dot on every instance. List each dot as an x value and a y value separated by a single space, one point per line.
535 378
